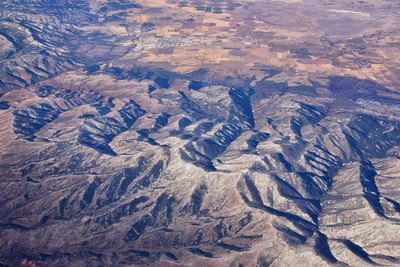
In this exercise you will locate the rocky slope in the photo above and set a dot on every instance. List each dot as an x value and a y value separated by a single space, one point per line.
106 161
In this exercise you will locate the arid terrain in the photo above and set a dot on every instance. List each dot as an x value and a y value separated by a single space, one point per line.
200 133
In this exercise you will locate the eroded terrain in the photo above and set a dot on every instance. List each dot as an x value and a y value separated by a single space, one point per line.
199 133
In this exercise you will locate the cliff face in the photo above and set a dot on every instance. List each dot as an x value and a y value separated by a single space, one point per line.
110 157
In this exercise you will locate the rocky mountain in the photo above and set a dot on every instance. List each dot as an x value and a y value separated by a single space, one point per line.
199 133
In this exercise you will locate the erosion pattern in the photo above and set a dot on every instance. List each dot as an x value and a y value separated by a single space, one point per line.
106 161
